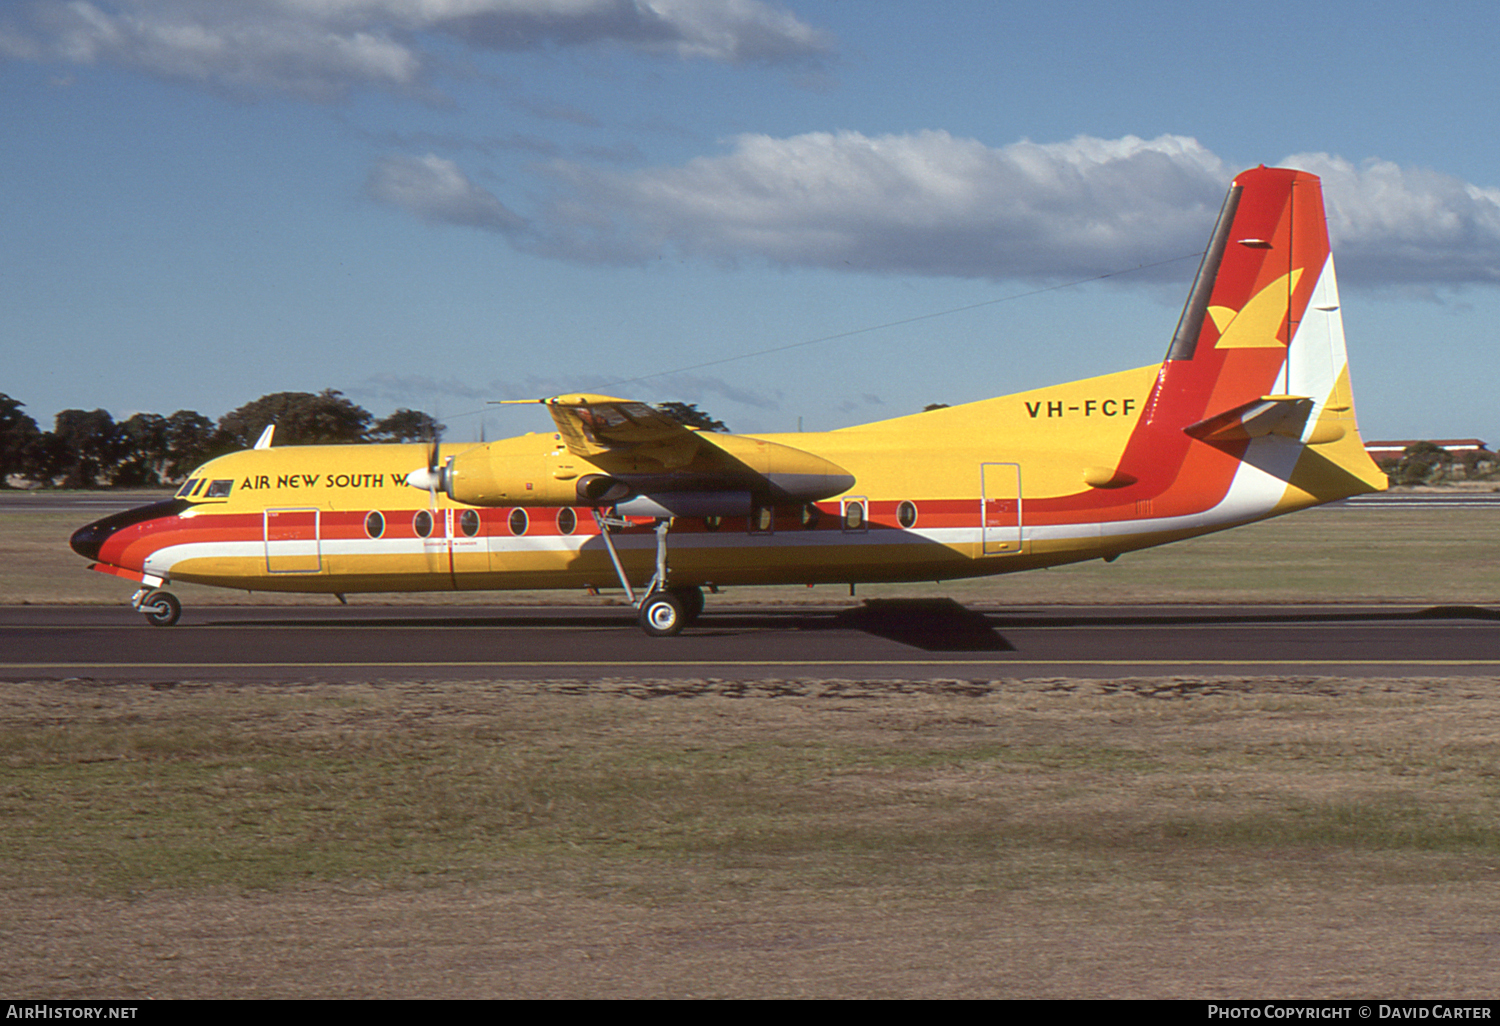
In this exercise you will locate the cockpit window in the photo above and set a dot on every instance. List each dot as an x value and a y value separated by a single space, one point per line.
187 488
219 489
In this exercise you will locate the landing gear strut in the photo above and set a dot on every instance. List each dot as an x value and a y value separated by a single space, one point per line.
662 610
160 608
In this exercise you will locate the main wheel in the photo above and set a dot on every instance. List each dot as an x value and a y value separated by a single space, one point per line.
662 615
691 600
161 608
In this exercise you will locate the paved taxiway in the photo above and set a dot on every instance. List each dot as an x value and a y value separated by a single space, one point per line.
886 639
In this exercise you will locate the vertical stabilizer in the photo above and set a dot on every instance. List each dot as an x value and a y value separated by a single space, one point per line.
1252 412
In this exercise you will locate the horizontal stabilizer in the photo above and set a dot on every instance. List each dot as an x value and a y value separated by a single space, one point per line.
1284 415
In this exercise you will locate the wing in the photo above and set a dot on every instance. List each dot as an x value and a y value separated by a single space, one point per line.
649 453
600 425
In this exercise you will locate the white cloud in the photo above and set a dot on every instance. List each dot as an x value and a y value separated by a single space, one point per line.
1407 226
932 204
434 189
925 203
319 49
247 48
929 203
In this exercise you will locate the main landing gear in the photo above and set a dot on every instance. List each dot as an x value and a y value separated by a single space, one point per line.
665 613
160 608
661 610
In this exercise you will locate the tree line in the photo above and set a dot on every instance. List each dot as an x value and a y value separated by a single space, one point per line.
89 449
1425 463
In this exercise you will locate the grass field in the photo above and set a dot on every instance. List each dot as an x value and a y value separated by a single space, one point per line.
1263 838
1184 838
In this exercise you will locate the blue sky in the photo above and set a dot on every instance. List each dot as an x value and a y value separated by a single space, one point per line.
434 203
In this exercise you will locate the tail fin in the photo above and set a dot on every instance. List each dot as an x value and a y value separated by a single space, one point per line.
1252 413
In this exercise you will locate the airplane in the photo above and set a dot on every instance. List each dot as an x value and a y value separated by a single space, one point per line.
1250 416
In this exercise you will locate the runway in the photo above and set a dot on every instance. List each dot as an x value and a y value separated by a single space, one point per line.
879 640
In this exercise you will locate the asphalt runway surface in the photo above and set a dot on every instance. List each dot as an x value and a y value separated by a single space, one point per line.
879 640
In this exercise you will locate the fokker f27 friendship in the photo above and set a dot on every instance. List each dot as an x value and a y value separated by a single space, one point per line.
1250 416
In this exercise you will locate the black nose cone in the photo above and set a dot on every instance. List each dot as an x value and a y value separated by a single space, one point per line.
88 541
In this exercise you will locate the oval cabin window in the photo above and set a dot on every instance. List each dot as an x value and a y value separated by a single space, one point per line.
374 524
468 523
567 520
906 514
518 521
422 523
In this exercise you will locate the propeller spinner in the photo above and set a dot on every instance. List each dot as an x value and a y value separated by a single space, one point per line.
433 477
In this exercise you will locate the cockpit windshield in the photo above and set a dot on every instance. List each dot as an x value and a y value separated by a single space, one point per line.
194 487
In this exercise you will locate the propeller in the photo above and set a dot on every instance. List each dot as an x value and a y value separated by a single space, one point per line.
434 476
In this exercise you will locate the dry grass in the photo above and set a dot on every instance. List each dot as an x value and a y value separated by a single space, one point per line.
1150 838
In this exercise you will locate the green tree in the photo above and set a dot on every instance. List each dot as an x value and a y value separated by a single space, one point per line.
1420 462
19 441
190 439
406 426
90 444
689 414
301 418
143 457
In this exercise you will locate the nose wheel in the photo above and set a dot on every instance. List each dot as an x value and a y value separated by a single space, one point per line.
160 608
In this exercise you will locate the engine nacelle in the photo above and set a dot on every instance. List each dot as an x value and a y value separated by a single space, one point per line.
726 477
482 477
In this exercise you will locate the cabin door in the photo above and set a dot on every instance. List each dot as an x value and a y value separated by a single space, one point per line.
1000 508
292 545
437 540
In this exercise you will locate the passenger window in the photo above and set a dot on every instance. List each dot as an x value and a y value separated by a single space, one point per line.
567 520
468 523
854 516
422 523
374 524
906 514
519 521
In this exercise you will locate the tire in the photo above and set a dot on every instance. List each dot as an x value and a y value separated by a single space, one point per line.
161 608
692 603
662 615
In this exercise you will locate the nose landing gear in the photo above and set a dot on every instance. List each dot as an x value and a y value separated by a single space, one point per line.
160 608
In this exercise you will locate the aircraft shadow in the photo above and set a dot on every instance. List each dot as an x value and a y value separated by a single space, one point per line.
933 625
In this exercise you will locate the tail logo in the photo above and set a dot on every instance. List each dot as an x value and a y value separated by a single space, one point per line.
1257 325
